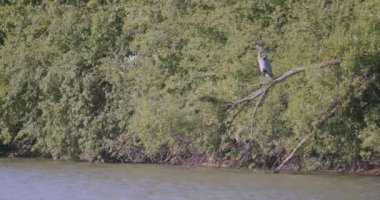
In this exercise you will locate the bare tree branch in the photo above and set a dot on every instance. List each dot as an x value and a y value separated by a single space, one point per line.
303 140
279 79
330 112
257 105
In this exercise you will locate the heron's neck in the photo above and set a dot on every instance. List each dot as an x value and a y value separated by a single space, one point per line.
261 54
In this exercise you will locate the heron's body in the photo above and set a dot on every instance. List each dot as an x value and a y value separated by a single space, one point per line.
264 63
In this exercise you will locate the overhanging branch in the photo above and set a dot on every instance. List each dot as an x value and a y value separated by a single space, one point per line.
279 79
330 112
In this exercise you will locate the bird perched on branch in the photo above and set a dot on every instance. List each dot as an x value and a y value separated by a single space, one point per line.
264 64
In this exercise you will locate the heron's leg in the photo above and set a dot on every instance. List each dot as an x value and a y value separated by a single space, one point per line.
267 76
265 79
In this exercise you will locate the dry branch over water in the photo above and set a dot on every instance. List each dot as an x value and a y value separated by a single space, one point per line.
265 88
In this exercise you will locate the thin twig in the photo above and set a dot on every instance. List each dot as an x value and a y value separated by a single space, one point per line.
254 111
236 114
256 107
258 103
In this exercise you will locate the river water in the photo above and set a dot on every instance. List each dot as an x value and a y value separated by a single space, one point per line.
46 179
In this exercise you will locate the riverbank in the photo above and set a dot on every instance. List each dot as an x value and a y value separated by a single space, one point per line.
178 82
365 168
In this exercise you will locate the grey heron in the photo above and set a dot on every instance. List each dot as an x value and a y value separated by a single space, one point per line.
264 64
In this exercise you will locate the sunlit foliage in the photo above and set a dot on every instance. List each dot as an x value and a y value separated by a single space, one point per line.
115 80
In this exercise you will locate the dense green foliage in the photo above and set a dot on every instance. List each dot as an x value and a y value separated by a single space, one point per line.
149 81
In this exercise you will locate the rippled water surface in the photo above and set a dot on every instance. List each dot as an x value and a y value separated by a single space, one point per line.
46 179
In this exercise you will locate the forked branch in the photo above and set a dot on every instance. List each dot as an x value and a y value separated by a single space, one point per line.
279 79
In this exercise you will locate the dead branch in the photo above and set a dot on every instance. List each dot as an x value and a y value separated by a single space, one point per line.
303 140
330 112
279 79
257 105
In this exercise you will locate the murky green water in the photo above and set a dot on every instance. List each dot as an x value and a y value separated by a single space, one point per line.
45 179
